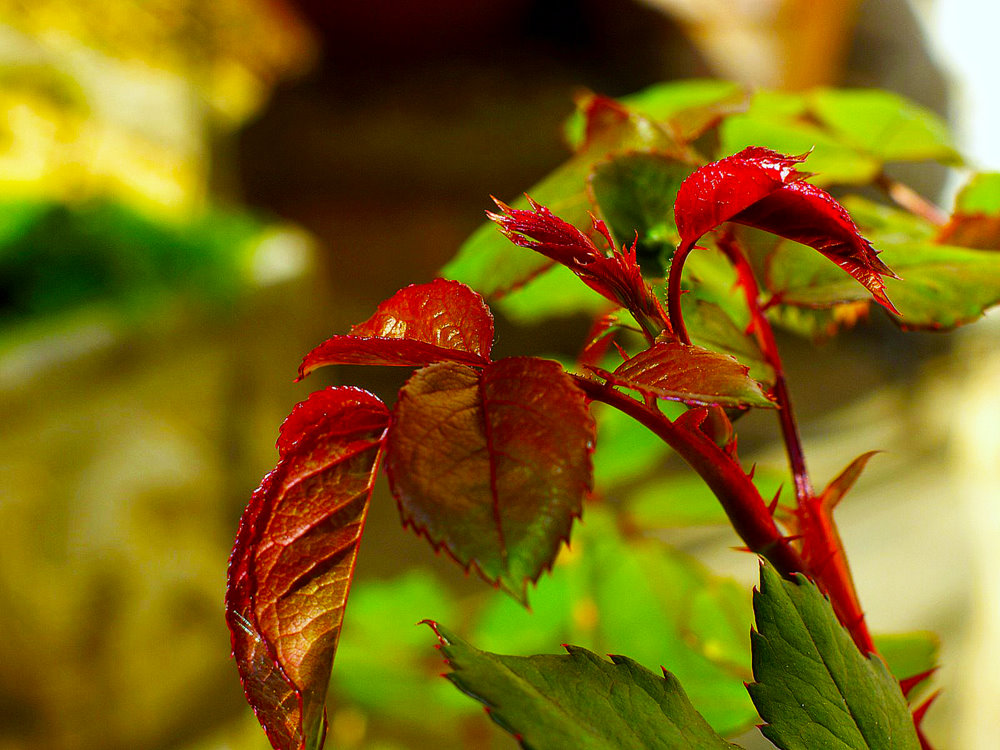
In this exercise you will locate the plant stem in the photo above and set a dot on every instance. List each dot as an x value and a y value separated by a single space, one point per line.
821 545
908 198
674 292
746 509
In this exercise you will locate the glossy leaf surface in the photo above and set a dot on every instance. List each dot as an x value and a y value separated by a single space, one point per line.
292 564
488 263
578 700
812 685
692 375
492 465
418 325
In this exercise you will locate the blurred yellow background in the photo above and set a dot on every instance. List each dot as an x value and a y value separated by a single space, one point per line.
194 194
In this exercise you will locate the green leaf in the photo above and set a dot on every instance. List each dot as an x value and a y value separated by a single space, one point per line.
686 107
832 161
382 663
976 221
578 701
626 449
710 326
555 293
884 125
492 465
812 685
941 287
886 224
638 596
491 265
685 500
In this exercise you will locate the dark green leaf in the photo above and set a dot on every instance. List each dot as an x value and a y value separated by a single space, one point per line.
812 685
578 701
883 124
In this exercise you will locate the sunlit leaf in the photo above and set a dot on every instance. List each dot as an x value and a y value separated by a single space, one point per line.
488 263
293 560
578 700
418 325
883 124
812 685
627 449
492 465
885 223
555 292
692 375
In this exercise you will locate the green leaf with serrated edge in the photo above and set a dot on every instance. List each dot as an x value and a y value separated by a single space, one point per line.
491 265
578 700
830 160
635 193
492 465
812 686
684 500
382 664
555 293
687 107
883 124
941 287
886 222
710 326
909 654
610 594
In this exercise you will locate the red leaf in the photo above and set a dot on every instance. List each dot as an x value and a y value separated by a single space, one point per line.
616 277
839 487
418 325
492 465
690 374
762 189
293 560
718 191
807 214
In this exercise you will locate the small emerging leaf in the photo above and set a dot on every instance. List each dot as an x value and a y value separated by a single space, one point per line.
578 700
492 465
692 375
418 325
293 560
812 685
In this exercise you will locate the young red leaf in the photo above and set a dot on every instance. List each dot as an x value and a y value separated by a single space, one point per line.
617 277
720 190
807 214
690 374
492 465
839 487
761 188
293 560
418 325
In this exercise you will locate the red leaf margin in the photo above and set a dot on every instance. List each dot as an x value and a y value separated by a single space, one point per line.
420 324
285 683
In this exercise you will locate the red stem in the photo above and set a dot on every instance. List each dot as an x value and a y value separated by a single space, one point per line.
746 509
674 292
821 545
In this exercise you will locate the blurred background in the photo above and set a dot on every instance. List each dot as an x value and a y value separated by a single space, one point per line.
195 194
